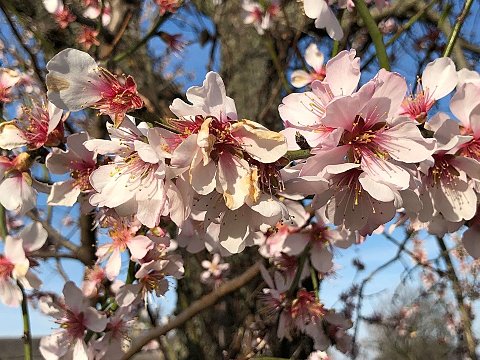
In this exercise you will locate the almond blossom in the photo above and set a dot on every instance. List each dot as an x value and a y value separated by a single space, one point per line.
123 235
167 6
314 58
447 179
40 125
371 136
75 317
438 79
63 16
16 191
14 266
214 270
75 82
8 79
324 17
321 240
135 179
236 157
76 160
88 37
465 105
304 112
260 14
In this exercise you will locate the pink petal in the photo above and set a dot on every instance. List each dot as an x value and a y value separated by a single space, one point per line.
94 320
343 73
139 246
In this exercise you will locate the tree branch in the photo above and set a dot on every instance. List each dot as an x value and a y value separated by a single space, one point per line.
195 308
457 290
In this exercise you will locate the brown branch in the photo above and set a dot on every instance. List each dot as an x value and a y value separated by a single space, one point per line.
109 48
457 290
194 309
53 234
29 52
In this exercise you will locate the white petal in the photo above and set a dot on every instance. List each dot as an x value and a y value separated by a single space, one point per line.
33 236
440 77
71 80
64 193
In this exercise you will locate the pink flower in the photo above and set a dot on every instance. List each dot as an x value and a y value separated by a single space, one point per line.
88 37
93 11
318 355
235 229
304 112
324 17
167 6
75 82
75 317
314 58
174 42
260 14
116 339
355 200
16 191
236 157
8 79
322 240
123 238
14 266
214 270
42 125
62 15
465 105
135 178
371 138
79 162
94 278
438 79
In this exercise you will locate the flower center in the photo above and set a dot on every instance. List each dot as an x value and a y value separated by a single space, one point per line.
80 173
364 140
416 106
73 323
6 268
443 171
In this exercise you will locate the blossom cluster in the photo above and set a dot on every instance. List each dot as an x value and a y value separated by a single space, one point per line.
350 160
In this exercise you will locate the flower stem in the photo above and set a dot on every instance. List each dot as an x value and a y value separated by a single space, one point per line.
3 223
130 273
313 275
374 32
27 335
298 274
457 27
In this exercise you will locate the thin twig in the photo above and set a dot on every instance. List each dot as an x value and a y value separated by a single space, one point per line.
457 290
457 27
29 52
195 308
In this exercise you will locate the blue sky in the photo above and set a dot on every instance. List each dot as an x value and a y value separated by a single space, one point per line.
374 252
